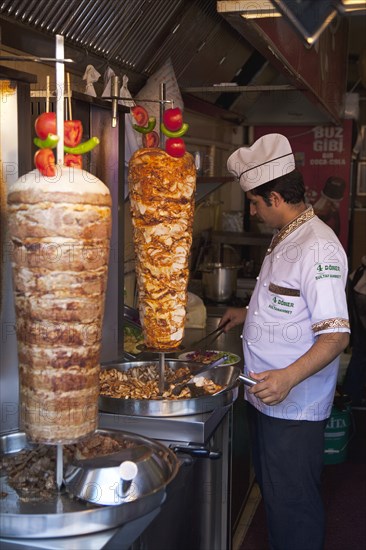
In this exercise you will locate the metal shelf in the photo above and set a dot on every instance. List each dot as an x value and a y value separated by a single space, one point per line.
208 184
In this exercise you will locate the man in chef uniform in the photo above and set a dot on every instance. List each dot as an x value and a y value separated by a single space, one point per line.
295 327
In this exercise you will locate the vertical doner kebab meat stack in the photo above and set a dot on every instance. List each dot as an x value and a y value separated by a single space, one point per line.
162 205
59 227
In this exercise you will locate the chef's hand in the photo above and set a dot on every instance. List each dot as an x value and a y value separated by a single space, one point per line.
233 316
272 387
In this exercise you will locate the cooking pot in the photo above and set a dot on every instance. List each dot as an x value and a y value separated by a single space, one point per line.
219 281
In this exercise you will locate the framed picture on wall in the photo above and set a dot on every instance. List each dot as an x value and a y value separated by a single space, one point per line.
361 178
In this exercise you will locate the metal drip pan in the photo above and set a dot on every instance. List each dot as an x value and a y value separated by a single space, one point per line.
169 407
62 516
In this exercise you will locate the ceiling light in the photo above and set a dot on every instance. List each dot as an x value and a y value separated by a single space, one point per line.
351 7
309 18
249 9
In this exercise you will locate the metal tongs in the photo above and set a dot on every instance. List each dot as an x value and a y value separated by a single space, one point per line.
215 333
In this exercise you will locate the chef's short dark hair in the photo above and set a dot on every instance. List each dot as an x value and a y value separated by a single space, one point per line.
290 186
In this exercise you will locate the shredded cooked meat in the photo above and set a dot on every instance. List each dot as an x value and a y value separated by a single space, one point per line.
162 191
143 383
32 472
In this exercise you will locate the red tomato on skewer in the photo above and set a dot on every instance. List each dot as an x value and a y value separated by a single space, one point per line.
75 161
173 119
45 162
151 139
140 115
73 132
45 124
175 147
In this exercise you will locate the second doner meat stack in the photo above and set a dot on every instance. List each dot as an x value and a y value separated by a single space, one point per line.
162 205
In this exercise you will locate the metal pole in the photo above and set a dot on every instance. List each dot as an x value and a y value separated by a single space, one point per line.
162 109
59 466
161 373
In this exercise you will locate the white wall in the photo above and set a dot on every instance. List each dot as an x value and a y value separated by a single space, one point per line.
9 387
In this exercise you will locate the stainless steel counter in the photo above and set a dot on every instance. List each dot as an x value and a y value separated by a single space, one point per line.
195 428
199 497
241 470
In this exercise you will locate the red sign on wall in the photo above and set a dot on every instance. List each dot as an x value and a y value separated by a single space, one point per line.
323 155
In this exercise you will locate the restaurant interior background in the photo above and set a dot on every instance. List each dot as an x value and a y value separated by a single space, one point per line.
300 70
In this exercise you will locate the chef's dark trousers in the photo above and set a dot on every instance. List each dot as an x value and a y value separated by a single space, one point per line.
288 462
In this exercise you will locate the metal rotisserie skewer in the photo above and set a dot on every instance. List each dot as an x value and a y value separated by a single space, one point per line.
59 466
161 372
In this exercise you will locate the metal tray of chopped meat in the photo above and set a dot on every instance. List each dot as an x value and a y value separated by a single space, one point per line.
160 407
65 516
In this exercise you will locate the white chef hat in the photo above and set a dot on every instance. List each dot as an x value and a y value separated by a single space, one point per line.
268 158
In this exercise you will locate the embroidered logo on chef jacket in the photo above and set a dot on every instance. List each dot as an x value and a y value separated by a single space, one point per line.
327 271
281 305
283 299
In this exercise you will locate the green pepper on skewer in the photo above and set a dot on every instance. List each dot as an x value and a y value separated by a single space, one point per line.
49 143
177 133
146 129
82 148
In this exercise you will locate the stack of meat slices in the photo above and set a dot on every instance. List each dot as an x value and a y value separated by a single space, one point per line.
60 230
162 205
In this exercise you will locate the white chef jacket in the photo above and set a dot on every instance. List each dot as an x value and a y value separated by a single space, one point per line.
299 294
